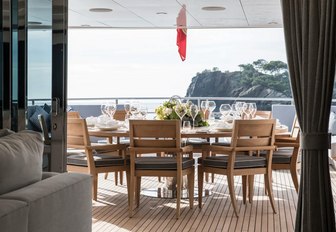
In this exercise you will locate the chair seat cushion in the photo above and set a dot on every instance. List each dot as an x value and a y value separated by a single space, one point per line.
282 156
242 161
101 160
161 163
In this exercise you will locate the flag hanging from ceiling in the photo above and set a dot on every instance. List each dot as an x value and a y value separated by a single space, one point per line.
181 40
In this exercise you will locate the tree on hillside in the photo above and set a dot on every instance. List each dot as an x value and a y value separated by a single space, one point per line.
272 75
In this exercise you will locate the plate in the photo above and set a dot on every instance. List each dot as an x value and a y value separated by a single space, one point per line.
112 128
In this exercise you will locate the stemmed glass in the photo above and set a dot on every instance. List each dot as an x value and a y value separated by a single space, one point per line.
193 113
134 109
204 109
103 109
239 108
225 110
212 107
143 111
110 109
247 110
127 107
180 109
253 107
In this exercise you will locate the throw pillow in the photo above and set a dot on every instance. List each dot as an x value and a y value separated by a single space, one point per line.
34 118
20 160
332 123
46 108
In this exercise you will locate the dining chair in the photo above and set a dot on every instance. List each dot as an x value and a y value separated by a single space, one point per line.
286 156
247 136
120 116
92 158
264 114
159 136
73 114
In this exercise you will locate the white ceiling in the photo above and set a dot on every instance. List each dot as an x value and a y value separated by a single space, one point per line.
143 13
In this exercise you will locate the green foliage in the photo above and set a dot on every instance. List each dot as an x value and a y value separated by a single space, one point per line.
273 75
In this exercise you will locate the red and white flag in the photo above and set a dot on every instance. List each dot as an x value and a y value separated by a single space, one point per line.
181 40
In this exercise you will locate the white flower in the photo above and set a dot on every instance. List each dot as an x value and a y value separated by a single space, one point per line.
168 111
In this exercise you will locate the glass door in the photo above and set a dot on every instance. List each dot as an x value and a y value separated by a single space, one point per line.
33 56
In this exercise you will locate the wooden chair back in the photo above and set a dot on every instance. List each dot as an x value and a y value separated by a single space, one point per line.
155 134
264 114
295 132
119 115
73 114
254 134
77 133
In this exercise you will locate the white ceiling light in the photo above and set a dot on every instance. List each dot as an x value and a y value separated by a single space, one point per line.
161 13
213 8
100 10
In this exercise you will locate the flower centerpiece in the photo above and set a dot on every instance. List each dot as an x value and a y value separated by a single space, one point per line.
167 111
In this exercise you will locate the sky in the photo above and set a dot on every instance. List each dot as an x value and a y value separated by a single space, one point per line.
146 63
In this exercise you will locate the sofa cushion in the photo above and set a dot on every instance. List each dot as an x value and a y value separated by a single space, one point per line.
21 160
34 118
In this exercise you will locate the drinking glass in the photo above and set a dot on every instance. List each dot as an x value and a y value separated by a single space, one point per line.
225 109
186 126
180 109
253 107
127 107
134 109
111 108
204 109
212 107
247 110
193 113
143 111
103 109
239 108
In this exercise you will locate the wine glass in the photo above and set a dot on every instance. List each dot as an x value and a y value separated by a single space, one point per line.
253 107
180 109
225 109
193 113
204 109
143 111
239 108
247 110
111 108
103 109
134 109
212 107
127 107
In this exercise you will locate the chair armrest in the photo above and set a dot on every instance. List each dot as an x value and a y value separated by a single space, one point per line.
287 144
186 149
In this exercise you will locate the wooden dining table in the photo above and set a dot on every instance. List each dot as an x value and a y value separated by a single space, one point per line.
197 133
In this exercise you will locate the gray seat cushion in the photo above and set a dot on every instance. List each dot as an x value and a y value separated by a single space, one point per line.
242 161
101 160
282 156
161 163
21 160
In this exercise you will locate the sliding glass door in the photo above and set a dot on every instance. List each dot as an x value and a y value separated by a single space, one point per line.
33 56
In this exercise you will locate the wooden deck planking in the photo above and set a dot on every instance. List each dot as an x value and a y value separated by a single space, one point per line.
110 213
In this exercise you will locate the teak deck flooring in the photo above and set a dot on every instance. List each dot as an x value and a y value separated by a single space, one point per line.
157 214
